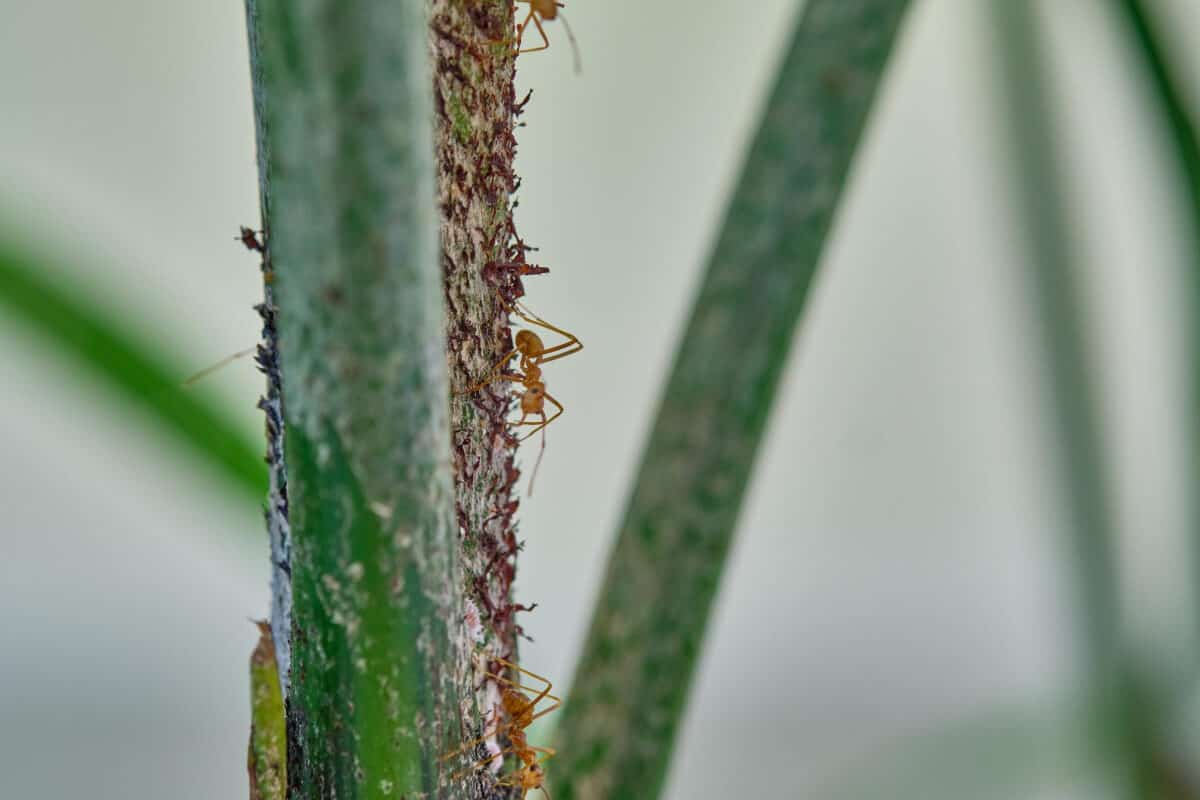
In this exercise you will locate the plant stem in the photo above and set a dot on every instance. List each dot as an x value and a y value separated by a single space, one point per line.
1118 734
1181 131
473 133
267 757
343 105
628 694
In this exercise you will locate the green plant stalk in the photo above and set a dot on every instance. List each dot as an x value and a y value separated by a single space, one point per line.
267 755
1181 130
342 95
1181 127
1118 727
100 345
628 694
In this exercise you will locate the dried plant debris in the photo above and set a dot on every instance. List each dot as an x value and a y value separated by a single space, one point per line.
484 261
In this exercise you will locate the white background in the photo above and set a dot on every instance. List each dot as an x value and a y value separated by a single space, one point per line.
898 567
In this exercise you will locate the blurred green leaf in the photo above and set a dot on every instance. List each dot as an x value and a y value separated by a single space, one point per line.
1167 92
1163 85
81 331
1123 727
628 695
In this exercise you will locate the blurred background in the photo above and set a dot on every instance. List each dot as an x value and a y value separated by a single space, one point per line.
898 617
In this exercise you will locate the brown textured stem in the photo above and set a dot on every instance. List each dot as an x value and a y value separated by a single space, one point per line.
396 615
483 259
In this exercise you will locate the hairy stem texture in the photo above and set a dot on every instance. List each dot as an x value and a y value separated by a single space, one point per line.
630 688
483 261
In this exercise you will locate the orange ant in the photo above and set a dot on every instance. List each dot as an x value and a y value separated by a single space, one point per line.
533 354
546 10
521 711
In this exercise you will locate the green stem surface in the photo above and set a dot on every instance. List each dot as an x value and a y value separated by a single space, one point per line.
628 694
346 158
267 756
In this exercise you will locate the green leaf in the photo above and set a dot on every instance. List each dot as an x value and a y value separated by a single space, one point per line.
1163 86
628 694
1125 723
89 335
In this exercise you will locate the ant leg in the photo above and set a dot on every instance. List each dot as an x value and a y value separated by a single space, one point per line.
541 694
497 372
456 776
509 751
541 30
572 345
493 728
547 754
224 362
538 463
542 425
577 59
464 748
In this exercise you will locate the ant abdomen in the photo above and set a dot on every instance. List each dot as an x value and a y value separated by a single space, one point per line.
528 343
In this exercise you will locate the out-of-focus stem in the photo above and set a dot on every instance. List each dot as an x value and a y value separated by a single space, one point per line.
629 691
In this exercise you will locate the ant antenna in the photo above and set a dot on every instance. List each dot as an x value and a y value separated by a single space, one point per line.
538 463
224 362
576 58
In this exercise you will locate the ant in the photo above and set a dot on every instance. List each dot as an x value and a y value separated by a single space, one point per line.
521 711
533 354
546 10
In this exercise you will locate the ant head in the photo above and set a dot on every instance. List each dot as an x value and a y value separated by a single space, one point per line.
529 343
546 9
533 777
